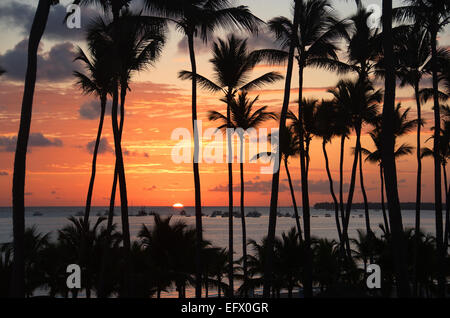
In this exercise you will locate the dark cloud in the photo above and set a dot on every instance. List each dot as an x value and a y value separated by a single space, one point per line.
263 40
103 147
150 188
91 110
28 193
3 173
8 144
56 64
20 16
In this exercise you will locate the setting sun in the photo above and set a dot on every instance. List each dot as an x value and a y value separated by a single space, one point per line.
178 205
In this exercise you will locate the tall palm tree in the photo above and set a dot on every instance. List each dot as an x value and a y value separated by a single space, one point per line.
402 126
97 82
434 15
387 155
316 33
139 43
201 18
325 128
232 63
357 104
243 118
18 189
269 259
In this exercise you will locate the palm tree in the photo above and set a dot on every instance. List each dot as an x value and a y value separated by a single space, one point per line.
326 127
200 18
232 63
434 16
269 259
18 189
97 82
316 33
387 155
357 102
402 126
242 119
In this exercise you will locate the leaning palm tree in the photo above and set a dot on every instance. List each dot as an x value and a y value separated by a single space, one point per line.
97 81
433 15
402 126
232 62
242 119
18 188
201 18
357 104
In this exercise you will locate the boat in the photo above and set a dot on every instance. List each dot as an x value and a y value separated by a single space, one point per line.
37 213
327 215
141 213
253 214
216 213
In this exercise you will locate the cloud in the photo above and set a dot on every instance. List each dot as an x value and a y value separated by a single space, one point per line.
199 46
20 16
3 173
91 110
103 147
56 64
28 193
323 186
252 186
264 40
150 188
8 143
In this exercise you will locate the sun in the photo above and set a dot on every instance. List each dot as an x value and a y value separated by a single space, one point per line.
178 205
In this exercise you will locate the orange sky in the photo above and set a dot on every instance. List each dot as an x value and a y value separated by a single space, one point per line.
58 173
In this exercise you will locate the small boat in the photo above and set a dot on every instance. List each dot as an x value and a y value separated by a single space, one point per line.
253 214
141 213
216 213
327 215
315 216
37 213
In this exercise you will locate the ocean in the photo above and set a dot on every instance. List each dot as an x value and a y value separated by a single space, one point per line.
50 219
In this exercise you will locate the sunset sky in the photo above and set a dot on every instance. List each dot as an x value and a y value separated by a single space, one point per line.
65 122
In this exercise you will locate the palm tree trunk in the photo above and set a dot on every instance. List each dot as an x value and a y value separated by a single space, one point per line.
333 195
198 201
230 198
363 190
348 207
383 207
447 210
341 182
268 266
17 287
388 159
294 201
418 185
244 230
94 160
305 196
437 167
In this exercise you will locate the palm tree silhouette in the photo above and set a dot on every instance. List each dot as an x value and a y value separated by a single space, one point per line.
316 33
326 127
433 15
200 18
18 189
242 119
98 81
232 63
270 240
357 102
402 126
